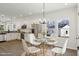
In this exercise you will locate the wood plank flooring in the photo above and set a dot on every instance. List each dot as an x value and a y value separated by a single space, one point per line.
15 48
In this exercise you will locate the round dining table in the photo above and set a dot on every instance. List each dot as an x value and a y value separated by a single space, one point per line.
46 42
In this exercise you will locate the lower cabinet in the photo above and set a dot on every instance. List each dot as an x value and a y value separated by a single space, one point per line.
12 36
2 37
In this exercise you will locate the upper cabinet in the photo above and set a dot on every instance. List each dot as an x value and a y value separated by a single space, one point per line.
9 27
2 27
6 23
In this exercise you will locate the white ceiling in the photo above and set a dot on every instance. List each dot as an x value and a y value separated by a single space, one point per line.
20 8
57 6
25 9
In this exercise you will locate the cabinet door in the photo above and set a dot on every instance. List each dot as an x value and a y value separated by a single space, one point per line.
8 36
1 38
16 35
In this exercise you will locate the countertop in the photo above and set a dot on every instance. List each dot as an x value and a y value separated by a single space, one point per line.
5 32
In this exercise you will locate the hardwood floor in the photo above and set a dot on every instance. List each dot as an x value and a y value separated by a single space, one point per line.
15 48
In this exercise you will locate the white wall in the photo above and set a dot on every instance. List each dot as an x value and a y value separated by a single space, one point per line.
78 19
71 13
27 20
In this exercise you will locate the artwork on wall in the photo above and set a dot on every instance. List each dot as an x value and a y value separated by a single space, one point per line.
63 27
63 23
51 27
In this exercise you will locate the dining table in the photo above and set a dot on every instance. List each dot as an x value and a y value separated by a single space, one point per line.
46 43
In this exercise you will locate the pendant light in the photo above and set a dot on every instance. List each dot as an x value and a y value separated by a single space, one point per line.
44 20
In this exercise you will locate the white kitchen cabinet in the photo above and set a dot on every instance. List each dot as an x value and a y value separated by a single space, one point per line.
9 36
12 36
10 27
2 37
17 35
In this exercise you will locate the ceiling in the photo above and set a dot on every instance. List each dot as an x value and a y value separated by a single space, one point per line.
57 6
25 9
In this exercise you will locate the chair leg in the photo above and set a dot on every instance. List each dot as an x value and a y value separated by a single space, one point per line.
62 54
55 54
34 54
23 54
52 53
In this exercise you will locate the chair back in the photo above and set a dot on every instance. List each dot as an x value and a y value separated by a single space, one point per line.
32 37
24 45
64 47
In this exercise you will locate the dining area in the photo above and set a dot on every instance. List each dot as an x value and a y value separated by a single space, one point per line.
44 46
38 29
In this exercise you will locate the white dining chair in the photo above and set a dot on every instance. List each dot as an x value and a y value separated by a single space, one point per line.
29 50
58 50
32 39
